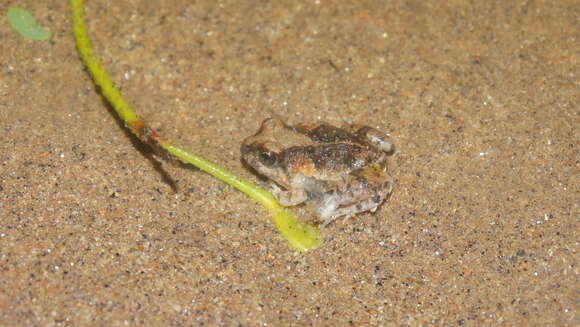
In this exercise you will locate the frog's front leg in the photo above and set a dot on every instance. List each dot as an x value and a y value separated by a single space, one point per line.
290 197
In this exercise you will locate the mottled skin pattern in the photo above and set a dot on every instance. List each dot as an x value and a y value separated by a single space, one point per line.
341 172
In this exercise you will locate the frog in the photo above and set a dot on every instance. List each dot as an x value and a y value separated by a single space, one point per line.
339 171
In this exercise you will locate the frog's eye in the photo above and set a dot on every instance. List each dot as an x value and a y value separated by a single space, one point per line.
268 158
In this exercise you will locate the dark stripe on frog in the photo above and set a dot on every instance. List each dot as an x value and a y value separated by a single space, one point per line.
325 133
331 157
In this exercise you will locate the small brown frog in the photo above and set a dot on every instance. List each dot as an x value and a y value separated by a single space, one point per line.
341 172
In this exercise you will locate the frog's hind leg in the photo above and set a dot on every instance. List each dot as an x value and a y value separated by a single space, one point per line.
346 212
346 204
332 207
377 138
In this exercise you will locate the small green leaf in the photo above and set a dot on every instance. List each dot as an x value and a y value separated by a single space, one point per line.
25 24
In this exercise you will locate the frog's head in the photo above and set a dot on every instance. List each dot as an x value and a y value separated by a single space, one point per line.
263 157
263 152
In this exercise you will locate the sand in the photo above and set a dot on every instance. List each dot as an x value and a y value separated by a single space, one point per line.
480 98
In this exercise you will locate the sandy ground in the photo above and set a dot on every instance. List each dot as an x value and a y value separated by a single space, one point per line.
481 100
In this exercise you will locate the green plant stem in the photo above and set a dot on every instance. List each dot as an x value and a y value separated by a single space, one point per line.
301 236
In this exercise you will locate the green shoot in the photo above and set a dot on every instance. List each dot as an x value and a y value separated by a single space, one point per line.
301 236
